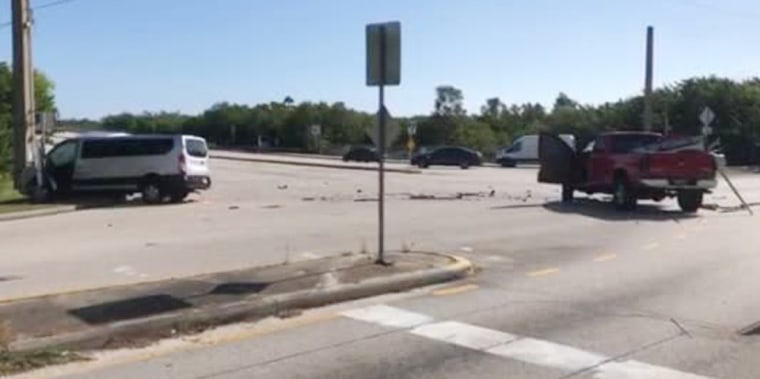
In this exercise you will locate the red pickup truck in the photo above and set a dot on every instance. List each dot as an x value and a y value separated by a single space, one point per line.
630 166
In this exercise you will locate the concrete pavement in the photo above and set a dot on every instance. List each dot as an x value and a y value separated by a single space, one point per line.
658 292
663 302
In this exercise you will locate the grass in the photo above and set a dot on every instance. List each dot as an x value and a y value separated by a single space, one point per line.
12 201
12 362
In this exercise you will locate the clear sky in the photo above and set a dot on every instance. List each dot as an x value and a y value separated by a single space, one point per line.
109 56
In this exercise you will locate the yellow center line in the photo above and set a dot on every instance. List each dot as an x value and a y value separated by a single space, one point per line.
651 246
455 290
548 271
605 257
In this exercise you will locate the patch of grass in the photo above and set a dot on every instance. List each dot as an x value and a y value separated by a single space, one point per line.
12 201
7 193
12 362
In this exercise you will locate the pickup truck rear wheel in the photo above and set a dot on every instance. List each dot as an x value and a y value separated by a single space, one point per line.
690 201
567 193
623 197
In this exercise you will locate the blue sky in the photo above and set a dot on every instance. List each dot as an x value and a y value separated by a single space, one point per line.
109 56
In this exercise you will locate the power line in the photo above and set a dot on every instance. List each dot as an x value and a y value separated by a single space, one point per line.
52 4
43 6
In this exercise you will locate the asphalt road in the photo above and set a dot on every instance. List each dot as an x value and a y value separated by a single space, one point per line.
577 291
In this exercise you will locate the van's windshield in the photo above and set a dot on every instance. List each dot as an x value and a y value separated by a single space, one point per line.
196 148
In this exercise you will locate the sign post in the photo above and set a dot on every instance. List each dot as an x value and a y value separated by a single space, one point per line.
411 132
383 68
316 132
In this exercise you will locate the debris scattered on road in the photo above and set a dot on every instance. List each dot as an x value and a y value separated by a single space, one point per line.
289 313
273 206
233 207
308 199
282 187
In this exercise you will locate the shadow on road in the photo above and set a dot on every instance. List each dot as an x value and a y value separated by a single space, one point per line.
604 210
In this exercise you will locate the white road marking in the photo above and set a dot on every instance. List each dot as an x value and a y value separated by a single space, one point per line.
309 255
388 316
549 354
523 349
466 249
637 370
461 334
125 270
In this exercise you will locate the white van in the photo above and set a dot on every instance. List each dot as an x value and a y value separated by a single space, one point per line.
157 166
525 150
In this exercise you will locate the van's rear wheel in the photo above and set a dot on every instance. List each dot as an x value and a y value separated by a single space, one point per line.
151 192
690 201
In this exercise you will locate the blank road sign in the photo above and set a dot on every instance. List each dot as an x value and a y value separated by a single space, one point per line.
390 34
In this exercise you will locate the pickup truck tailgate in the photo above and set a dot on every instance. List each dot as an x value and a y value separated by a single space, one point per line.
683 164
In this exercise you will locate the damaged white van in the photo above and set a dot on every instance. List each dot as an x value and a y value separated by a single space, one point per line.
159 167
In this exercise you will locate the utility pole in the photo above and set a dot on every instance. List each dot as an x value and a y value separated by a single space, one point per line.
23 89
648 109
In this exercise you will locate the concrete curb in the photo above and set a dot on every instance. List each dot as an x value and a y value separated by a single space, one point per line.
315 164
37 213
168 324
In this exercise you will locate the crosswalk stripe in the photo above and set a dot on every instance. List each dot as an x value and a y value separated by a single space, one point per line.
457 333
523 349
388 316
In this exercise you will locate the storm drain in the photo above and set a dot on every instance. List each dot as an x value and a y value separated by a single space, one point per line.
750 330
129 309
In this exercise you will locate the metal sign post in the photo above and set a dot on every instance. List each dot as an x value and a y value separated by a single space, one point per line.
411 131
383 68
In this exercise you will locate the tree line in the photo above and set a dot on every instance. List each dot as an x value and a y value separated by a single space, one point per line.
286 124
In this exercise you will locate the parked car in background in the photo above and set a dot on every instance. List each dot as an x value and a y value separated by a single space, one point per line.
525 150
361 154
448 156
156 166
630 166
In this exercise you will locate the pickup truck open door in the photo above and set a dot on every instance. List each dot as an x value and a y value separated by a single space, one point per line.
559 162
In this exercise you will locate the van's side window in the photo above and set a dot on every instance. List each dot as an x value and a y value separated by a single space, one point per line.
515 148
64 154
126 147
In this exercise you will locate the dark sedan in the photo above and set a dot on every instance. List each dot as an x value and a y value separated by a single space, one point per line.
361 154
448 156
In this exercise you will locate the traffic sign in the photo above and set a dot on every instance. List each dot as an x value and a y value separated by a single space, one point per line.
384 54
410 145
392 129
411 129
707 116
316 130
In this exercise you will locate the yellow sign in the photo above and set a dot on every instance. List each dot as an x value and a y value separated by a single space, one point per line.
410 144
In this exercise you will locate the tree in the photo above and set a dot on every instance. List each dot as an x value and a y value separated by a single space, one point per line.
44 99
449 101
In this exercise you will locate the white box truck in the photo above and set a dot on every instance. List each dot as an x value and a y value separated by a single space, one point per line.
525 150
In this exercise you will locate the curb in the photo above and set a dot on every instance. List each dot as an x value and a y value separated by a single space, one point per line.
168 324
37 213
315 164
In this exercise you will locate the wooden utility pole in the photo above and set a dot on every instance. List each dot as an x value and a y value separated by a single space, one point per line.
23 89
648 109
